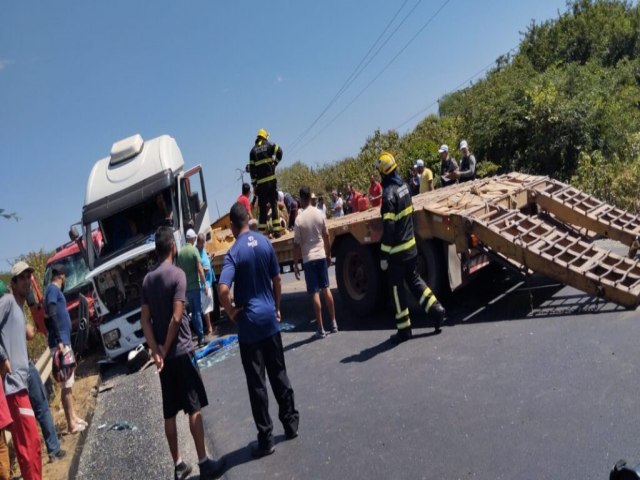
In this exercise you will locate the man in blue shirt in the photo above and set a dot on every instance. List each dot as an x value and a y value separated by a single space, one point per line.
207 299
251 266
212 303
59 326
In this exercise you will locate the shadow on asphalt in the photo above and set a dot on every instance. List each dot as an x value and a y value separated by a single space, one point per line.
241 456
369 353
300 343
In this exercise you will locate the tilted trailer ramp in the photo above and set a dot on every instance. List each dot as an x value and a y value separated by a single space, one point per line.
552 234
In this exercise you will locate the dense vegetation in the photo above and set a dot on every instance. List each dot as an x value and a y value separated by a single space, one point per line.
566 104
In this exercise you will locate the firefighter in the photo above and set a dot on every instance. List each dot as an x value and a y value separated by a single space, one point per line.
263 159
398 250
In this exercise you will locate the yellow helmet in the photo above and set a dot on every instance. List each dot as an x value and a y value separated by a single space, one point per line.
262 133
385 163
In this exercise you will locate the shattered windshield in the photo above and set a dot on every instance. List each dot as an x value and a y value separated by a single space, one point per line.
135 225
75 270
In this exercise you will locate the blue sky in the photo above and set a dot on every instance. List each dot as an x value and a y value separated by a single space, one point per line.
76 76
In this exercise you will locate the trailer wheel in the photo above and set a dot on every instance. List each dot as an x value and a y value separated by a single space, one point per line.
432 267
359 279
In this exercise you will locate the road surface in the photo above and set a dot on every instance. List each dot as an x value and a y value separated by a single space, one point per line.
526 381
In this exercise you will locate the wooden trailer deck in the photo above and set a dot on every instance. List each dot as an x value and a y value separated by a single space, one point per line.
535 223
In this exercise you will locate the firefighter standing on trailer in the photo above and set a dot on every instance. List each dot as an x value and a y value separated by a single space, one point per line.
263 159
398 249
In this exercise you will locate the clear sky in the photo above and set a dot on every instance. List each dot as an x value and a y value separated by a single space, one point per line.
76 76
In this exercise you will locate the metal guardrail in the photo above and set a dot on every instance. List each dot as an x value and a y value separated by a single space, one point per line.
43 365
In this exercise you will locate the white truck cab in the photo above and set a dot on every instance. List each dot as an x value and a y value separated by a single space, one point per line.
140 186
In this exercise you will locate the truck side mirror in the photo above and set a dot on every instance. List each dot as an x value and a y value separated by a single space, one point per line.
73 233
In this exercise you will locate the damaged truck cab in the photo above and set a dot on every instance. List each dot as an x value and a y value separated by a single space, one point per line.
140 186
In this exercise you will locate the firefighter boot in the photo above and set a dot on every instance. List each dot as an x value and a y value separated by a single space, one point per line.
401 335
438 313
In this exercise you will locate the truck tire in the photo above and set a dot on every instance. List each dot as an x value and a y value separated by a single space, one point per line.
358 276
432 266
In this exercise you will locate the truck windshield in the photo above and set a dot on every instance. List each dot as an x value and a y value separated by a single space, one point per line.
75 270
135 225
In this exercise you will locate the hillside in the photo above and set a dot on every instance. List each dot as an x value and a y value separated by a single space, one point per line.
565 104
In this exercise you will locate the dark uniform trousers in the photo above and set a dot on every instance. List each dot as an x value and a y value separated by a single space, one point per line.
407 271
256 357
267 193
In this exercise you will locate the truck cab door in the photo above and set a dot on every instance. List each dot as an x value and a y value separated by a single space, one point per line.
194 210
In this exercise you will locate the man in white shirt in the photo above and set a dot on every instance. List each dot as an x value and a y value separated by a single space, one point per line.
311 242
337 205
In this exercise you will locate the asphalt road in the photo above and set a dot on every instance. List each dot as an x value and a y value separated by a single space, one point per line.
538 383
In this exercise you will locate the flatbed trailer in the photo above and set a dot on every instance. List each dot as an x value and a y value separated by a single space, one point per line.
531 223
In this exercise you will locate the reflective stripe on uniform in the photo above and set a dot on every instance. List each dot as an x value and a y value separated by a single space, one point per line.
398 248
430 303
426 294
394 217
429 297
266 179
26 411
402 314
262 162
403 325
396 298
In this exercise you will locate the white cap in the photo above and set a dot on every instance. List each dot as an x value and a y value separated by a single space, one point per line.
191 234
419 163
464 144
20 267
443 148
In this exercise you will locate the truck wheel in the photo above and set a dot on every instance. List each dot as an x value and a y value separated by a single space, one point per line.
359 279
432 266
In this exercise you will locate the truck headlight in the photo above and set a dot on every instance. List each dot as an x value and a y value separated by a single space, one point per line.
111 337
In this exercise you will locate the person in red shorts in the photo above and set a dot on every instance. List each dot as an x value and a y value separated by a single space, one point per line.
5 424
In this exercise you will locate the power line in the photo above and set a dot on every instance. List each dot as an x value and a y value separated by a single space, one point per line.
358 70
479 72
384 69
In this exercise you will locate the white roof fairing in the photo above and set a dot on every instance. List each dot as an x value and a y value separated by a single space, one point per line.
158 155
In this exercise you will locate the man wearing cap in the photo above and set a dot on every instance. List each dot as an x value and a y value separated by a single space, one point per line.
263 159
467 170
189 262
14 368
59 325
251 268
448 166
426 176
